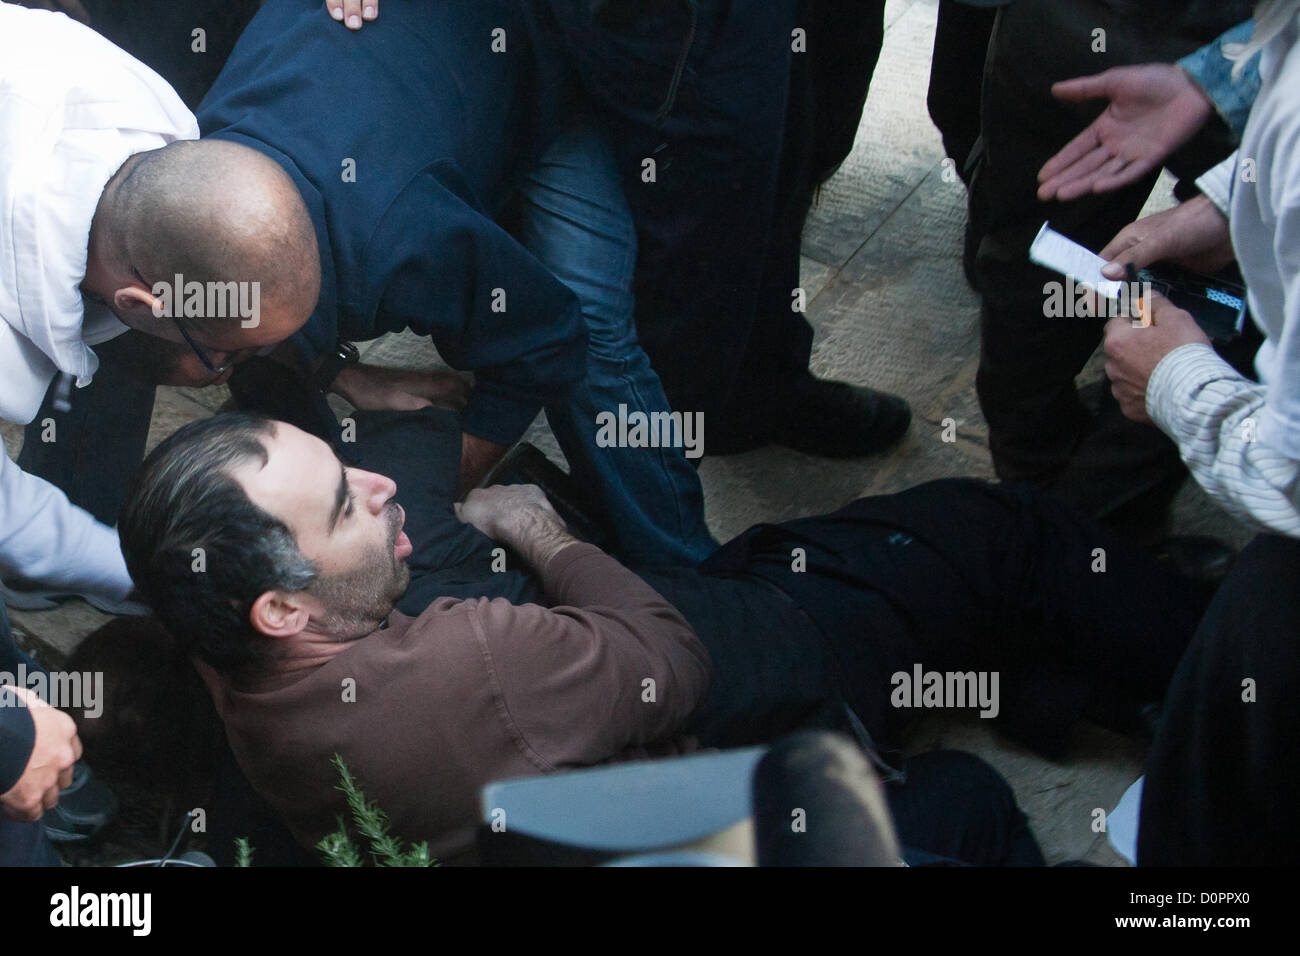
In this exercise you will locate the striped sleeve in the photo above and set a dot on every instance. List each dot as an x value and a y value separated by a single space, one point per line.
1216 183
1213 414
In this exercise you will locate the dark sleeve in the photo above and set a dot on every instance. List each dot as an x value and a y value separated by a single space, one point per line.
17 737
448 271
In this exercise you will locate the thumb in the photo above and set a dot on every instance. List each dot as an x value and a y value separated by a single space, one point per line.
26 696
1083 88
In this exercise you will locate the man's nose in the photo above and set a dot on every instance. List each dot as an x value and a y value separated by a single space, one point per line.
379 490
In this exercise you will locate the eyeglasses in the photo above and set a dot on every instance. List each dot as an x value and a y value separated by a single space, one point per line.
194 347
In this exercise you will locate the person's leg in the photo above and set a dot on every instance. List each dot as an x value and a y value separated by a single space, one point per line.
775 398
961 38
693 97
953 807
962 575
1221 784
1028 359
575 220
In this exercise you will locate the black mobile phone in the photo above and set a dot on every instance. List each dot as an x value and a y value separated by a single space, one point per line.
1218 305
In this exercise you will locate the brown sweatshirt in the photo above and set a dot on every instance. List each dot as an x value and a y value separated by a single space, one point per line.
430 709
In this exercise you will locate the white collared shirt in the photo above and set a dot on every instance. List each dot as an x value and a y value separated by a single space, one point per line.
73 108
1241 440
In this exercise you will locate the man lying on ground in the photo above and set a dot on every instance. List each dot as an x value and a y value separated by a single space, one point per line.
437 654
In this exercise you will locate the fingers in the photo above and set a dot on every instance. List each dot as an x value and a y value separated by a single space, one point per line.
1127 176
1083 87
1078 178
1070 153
1125 239
1136 243
352 13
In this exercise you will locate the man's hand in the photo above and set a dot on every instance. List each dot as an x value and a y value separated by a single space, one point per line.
1154 108
73 8
520 517
1132 353
373 388
351 13
49 769
1192 234
477 456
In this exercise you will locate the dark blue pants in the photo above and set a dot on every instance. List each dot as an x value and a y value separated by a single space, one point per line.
699 89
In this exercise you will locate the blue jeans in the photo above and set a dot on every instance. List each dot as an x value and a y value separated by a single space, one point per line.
576 221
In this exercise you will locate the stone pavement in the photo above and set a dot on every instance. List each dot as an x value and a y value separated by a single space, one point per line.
883 280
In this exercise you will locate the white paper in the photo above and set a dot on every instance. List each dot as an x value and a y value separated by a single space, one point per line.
1054 251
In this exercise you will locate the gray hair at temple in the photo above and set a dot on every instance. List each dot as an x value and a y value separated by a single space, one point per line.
200 552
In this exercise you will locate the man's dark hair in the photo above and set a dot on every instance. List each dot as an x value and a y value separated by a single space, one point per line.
200 552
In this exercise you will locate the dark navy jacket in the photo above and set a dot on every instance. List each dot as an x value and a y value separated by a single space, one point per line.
439 129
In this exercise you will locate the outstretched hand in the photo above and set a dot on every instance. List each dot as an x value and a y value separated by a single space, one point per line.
1154 108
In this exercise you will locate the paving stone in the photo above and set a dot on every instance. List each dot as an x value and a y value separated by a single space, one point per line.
813 277
57 632
402 350
173 408
893 317
212 398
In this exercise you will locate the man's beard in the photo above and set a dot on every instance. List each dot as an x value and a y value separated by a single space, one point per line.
356 602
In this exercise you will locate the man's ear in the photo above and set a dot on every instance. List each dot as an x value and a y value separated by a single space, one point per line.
280 614
141 304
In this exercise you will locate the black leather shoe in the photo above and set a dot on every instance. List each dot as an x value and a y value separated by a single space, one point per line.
833 419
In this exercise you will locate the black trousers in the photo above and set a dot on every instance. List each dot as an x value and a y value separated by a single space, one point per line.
721 129
951 576
1037 424
1222 786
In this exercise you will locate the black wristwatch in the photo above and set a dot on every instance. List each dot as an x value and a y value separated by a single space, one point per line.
345 353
